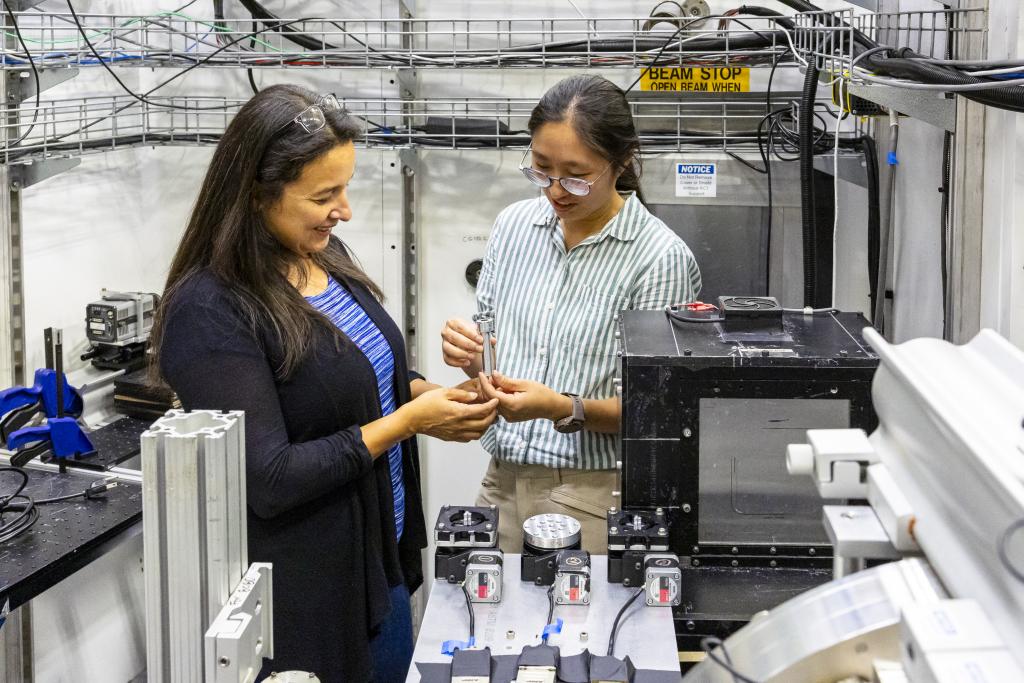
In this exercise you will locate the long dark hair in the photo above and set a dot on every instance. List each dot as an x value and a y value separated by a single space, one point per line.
261 151
598 111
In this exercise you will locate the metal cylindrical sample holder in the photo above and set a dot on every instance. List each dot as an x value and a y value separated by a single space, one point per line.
486 326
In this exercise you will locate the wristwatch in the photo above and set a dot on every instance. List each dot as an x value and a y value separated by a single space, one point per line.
573 423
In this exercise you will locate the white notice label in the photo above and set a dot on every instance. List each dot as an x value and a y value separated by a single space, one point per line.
696 180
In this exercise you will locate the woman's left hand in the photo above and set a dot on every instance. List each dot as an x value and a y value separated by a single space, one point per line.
473 385
522 399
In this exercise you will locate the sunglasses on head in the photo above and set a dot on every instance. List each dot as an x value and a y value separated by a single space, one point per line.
313 118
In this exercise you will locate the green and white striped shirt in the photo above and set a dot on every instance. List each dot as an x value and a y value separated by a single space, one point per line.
554 314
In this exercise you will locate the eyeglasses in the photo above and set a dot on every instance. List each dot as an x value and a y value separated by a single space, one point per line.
576 186
312 118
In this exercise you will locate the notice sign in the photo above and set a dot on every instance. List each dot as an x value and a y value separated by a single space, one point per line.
696 180
696 79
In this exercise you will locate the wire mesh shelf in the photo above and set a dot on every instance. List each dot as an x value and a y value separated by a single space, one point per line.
71 128
834 39
172 39
76 127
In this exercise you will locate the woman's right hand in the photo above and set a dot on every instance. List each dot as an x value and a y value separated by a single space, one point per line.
450 415
461 344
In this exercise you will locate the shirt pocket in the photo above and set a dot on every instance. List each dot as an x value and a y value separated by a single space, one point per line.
589 334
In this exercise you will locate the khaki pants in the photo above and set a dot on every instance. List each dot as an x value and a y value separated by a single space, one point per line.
521 491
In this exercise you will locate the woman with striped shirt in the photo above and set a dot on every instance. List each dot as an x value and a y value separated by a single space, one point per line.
557 271
266 312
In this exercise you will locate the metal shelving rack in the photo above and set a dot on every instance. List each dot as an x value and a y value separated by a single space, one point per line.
71 128
68 129
170 40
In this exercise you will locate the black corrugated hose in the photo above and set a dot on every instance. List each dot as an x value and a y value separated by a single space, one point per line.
870 152
805 128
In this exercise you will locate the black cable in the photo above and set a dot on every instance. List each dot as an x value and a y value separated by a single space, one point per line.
551 606
708 644
673 313
147 139
16 502
807 203
1004 555
647 69
184 7
768 173
140 98
618 617
258 11
737 43
910 65
870 152
252 82
469 608
248 72
163 83
746 163
26 507
35 73
272 22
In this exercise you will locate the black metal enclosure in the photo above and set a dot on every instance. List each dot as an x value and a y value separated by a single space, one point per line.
708 409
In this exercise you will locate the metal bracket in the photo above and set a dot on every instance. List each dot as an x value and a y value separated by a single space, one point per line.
408 84
856 536
242 634
851 168
409 165
22 84
26 175
928 106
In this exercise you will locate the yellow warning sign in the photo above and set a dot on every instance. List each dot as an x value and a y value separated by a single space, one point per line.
696 79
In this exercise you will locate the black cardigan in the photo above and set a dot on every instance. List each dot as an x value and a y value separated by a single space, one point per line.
320 508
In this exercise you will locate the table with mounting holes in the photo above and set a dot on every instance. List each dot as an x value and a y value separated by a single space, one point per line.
67 536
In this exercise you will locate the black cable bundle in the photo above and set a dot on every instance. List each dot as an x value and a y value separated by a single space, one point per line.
910 65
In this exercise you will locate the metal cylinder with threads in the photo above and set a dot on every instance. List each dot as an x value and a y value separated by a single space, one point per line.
486 326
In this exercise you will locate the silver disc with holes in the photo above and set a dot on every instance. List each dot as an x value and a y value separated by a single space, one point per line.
551 531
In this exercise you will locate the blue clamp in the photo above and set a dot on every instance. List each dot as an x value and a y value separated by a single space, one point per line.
893 161
65 437
554 628
43 392
449 647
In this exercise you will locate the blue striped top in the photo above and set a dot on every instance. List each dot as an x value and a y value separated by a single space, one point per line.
344 311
